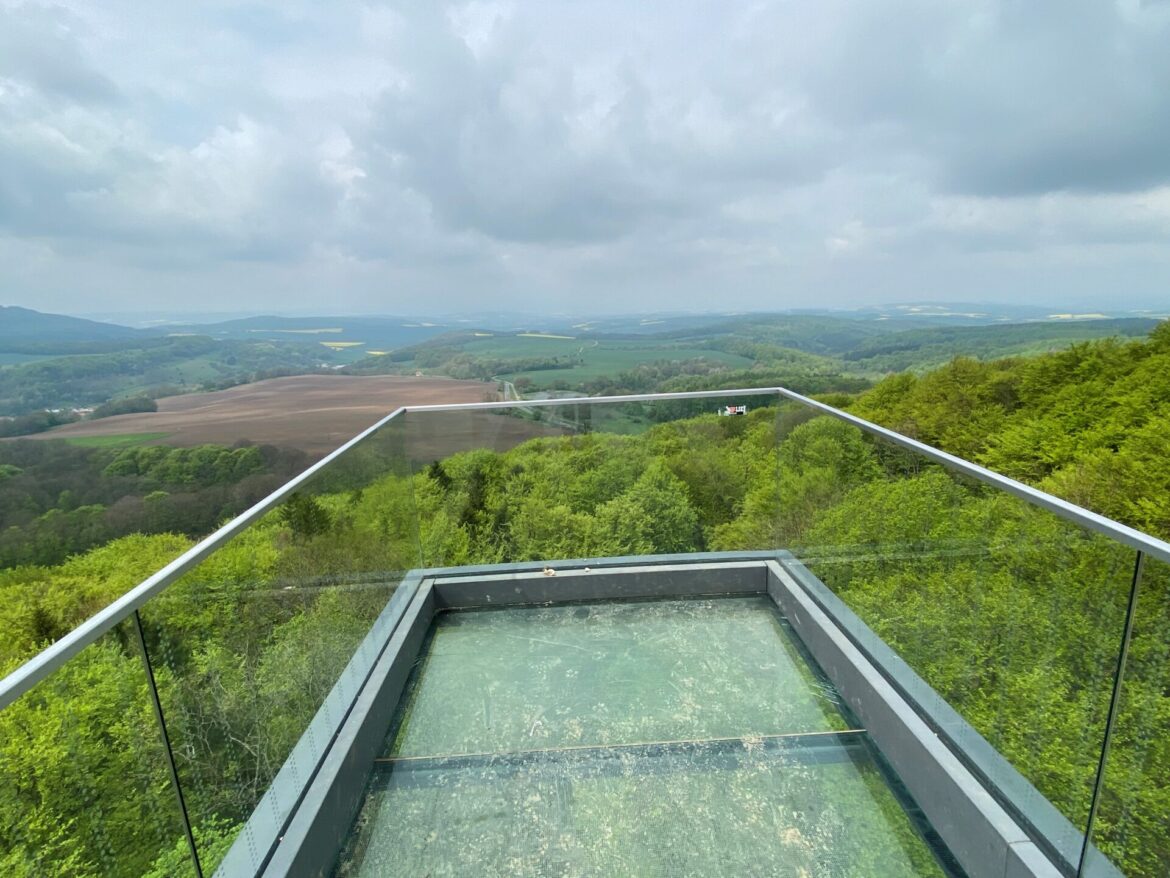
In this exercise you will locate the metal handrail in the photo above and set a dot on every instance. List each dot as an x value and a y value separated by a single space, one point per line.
1124 534
54 656
593 400
44 663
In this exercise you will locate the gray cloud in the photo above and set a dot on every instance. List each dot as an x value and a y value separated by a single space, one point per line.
43 47
1007 97
770 154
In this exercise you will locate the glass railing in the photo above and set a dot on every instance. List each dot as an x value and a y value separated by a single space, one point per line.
183 721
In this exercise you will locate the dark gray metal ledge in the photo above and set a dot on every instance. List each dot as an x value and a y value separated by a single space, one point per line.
1046 826
983 837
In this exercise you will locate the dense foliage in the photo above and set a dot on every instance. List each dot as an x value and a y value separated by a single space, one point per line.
1012 615
1091 423
125 406
35 422
918 349
57 499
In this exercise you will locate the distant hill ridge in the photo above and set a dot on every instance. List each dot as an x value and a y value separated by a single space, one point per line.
24 325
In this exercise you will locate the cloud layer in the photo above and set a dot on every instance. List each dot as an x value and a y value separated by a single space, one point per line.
416 157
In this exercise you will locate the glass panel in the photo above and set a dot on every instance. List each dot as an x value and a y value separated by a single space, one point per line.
578 675
1132 832
673 737
268 640
1010 615
731 809
597 480
84 784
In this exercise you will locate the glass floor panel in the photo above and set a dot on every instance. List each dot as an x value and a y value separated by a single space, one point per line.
674 737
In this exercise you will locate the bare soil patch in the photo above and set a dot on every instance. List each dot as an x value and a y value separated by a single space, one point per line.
431 436
312 412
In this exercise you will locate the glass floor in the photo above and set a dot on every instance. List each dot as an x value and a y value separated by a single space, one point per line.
658 738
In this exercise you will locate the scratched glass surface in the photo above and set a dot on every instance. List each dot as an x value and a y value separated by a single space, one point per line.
672 737
610 673
734 810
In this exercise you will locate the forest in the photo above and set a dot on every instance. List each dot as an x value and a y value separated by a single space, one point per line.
58 499
1011 614
821 352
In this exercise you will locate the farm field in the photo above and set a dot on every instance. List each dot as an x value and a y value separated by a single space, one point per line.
315 413
116 440
431 436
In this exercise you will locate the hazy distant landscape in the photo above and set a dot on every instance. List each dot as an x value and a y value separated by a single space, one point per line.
222 412
65 374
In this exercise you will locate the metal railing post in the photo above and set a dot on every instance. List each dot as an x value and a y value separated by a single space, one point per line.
1114 707
166 742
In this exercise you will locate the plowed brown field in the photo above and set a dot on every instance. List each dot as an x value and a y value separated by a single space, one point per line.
313 412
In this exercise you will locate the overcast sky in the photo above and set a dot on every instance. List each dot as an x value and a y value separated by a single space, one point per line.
584 156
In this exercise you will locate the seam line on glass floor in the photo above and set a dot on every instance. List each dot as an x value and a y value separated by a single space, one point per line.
748 741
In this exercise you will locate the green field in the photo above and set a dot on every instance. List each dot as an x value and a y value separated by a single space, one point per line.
598 358
818 353
120 440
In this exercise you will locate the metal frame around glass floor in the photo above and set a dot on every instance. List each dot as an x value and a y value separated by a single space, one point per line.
978 829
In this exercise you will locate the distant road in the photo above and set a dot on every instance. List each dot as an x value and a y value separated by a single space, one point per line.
312 412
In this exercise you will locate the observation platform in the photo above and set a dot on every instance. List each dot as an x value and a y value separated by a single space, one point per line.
944 673
680 715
